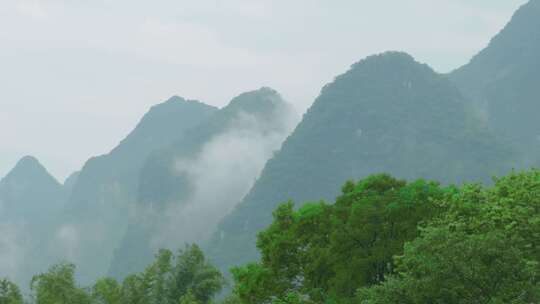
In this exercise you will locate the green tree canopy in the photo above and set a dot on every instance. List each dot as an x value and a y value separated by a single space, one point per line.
325 252
58 286
9 293
187 276
106 291
485 249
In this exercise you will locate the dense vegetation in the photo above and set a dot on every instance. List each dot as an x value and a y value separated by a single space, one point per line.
483 249
327 251
184 278
388 241
384 240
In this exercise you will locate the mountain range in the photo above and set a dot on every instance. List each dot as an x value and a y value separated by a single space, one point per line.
185 188
190 172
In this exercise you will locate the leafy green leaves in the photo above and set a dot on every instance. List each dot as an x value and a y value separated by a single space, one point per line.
323 252
484 249
186 277
58 286
171 279
388 241
9 293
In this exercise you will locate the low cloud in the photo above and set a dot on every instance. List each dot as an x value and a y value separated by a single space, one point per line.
221 175
67 241
11 249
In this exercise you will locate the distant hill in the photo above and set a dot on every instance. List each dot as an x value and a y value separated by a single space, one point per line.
388 113
187 187
503 82
96 215
28 190
30 202
71 180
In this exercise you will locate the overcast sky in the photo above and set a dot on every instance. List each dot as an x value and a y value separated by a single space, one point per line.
77 75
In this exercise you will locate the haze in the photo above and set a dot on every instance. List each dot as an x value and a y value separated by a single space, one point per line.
77 75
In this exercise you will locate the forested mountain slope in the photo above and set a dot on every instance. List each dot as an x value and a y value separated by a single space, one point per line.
187 187
96 215
388 113
502 82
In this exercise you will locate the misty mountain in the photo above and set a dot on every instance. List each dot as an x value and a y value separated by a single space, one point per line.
30 201
187 187
29 192
502 82
96 215
388 113
71 180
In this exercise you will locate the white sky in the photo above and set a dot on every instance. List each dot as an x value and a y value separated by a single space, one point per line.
77 75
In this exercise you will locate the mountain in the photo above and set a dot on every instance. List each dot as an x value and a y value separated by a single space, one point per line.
30 201
187 187
388 113
29 192
502 82
96 215
71 180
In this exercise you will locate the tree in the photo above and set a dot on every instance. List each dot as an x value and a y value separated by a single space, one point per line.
187 277
232 298
326 252
9 293
193 273
107 291
188 298
57 286
254 283
133 290
484 249
157 276
456 267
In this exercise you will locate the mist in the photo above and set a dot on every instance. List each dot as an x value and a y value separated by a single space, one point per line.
12 249
221 175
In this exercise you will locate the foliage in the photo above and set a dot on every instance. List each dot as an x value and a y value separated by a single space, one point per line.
232 298
193 273
188 298
107 291
325 252
483 250
58 286
388 241
186 277
9 293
